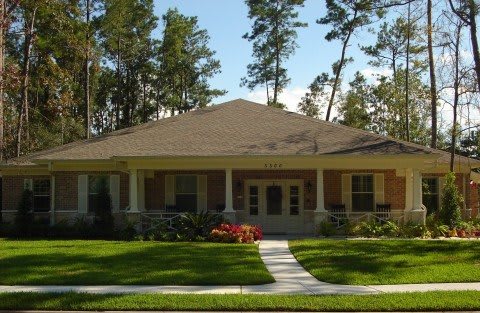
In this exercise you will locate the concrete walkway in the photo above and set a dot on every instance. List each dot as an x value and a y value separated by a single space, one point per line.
290 276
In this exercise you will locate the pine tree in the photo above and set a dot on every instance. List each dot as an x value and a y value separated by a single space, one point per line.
449 213
273 35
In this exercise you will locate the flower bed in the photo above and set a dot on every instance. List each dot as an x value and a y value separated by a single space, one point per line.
233 233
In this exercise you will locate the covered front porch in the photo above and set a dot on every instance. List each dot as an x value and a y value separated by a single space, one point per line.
280 198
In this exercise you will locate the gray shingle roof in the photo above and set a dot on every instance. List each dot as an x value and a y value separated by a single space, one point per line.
234 128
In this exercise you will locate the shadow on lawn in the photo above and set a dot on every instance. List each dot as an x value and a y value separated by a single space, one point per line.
389 261
142 263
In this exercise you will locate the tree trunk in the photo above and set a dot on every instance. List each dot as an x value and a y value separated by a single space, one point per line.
407 78
2 74
340 66
144 101
473 37
277 62
433 83
456 85
87 73
119 86
23 112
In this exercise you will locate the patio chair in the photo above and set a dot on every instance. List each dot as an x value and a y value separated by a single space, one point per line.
383 212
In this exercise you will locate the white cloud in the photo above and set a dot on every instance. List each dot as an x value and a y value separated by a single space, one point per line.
290 97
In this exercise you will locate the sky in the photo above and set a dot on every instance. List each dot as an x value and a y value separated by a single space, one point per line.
227 21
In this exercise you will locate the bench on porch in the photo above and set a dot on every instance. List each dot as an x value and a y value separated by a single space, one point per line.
339 215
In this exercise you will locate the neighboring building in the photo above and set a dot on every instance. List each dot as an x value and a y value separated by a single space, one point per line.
254 163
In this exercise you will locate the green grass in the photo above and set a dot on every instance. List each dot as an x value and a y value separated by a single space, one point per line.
79 262
429 301
376 262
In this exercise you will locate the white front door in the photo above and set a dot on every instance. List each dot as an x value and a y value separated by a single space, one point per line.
276 205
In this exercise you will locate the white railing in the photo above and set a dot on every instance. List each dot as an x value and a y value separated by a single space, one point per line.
149 220
340 219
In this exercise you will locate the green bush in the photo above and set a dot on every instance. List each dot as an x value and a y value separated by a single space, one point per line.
449 213
158 232
24 215
326 229
390 229
193 226
411 230
103 209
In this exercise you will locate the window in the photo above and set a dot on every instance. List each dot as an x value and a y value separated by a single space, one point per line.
430 194
186 193
95 185
294 200
41 195
362 193
253 200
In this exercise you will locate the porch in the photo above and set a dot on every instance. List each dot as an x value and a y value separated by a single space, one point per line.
281 200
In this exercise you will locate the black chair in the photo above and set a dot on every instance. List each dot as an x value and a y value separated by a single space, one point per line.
220 208
383 212
171 209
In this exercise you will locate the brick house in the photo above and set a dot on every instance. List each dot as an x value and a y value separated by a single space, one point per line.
253 163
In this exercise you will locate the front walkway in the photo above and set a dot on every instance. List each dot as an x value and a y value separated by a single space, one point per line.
290 276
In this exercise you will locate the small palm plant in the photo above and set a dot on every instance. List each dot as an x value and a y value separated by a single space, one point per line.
198 225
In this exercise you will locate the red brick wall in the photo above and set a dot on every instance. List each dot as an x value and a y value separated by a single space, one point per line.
155 188
66 189
394 187
12 189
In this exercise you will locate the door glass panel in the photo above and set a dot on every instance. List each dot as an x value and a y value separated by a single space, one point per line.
274 200
294 200
253 200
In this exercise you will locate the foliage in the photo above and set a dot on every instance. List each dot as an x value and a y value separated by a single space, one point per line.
24 214
231 233
103 208
449 213
326 229
273 35
192 226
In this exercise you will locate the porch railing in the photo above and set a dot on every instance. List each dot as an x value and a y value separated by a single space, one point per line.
340 219
150 220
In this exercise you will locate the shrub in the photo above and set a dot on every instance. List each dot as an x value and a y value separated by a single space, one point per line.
103 209
411 230
193 226
158 232
449 213
232 233
390 229
24 216
326 229
128 232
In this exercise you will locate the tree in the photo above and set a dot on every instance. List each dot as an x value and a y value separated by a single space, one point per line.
103 208
24 215
433 80
449 213
273 35
311 103
355 106
467 11
345 17
186 64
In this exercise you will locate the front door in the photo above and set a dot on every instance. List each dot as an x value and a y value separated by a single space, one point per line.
274 219
275 205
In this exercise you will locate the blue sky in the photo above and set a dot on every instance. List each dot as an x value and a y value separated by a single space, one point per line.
226 22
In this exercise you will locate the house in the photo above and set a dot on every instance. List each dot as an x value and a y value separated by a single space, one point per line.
253 163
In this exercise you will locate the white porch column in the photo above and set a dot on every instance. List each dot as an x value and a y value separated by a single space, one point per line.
134 203
320 195
417 190
408 189
228 191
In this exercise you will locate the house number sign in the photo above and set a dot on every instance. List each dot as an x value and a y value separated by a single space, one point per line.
273 165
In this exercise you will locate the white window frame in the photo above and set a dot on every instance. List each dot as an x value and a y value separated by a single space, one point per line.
352 193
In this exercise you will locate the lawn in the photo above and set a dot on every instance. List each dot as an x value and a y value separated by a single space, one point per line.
78 262
429 301
377 262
